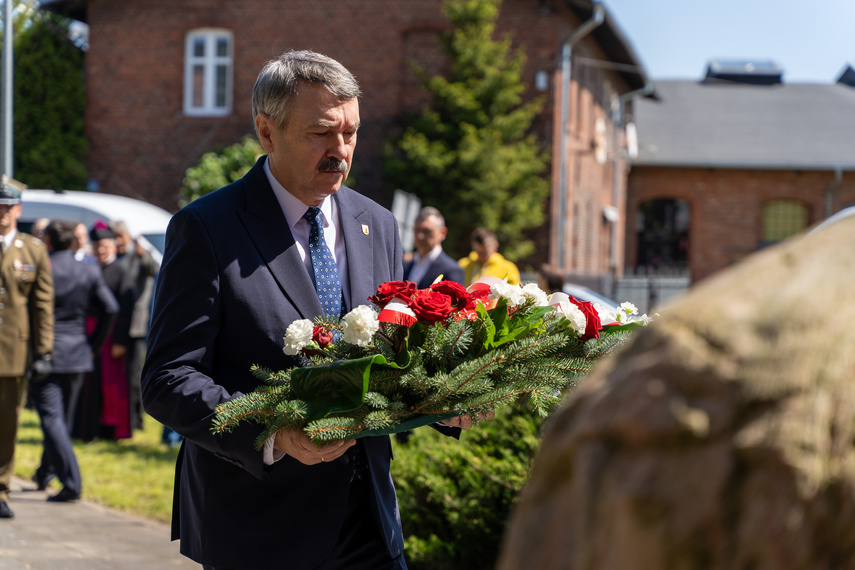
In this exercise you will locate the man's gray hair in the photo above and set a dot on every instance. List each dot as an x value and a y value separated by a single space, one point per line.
431 212
278 80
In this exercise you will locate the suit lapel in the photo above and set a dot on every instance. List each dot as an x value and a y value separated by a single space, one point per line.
358 240
267 228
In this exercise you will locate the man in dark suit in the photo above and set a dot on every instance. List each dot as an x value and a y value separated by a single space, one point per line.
26 325
239 267
430 261
80 291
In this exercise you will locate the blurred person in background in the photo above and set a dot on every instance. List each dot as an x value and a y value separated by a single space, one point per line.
38 228
142 268
26 326
80 291
430 261
104 410
82 248
485 260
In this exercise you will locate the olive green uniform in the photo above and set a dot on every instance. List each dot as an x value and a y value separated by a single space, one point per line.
26 323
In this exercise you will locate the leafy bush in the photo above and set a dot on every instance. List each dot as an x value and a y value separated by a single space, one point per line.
218 169
456 496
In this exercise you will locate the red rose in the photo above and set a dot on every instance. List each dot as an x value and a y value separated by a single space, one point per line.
460 298
431 306
592 318
391 289
322 335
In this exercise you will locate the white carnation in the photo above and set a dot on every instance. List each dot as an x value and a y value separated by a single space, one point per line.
574 315
297 336
625 312
513 294
607 313
359 325
533 292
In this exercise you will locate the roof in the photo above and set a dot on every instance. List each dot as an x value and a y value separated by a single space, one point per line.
847 75
75 9
614 43
800 126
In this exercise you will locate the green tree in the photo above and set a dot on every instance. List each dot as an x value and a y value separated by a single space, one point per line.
218 169
49 101
471 152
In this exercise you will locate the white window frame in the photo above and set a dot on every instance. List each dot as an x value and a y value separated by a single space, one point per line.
209 62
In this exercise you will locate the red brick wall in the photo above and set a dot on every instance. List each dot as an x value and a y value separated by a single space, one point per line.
142 143
726 206
591 183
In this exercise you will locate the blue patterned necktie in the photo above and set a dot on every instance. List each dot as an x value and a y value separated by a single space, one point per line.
327 282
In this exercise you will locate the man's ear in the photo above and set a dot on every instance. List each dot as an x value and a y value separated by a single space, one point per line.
263 127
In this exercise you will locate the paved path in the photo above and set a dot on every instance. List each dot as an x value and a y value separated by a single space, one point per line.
81 536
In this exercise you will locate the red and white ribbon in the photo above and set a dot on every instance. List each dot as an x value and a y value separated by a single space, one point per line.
397 312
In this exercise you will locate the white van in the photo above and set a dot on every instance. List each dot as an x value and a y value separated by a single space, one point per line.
145 221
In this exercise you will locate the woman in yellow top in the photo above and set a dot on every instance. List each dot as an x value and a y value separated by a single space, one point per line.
486 260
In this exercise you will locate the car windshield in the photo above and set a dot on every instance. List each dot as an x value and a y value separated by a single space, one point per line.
157 240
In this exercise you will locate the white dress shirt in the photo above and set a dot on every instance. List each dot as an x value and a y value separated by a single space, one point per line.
294 208
421 264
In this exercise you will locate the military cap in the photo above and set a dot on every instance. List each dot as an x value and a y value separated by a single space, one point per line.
9 195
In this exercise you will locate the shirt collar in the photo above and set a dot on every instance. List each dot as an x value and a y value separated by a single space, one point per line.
9 238
431 256
293 207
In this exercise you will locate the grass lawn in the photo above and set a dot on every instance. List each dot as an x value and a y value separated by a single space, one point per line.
133 475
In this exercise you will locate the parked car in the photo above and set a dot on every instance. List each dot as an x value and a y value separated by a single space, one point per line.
583 293
146 222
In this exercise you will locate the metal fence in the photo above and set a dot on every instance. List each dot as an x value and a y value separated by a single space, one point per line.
647 292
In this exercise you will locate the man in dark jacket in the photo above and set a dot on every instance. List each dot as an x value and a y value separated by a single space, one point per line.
143 268
430 261
80 290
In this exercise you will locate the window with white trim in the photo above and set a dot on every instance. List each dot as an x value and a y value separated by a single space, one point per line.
208 64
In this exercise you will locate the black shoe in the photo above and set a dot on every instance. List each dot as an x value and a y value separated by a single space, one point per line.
64 496
5 511
41 484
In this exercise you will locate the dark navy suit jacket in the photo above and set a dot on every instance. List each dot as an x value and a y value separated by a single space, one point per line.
230 284
79 290
442 265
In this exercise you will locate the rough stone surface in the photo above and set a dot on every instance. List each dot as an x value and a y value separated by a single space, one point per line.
722 437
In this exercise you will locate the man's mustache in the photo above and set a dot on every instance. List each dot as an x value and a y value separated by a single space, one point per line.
330 164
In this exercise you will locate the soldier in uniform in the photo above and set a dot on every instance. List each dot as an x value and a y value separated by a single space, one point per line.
26 325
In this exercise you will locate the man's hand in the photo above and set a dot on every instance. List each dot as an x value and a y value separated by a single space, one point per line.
118 350
41 367
298 445
465 421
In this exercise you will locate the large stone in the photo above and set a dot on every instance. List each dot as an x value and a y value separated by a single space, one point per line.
722 437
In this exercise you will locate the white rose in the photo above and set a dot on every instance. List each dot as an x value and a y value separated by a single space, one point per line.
513 294
297 336
359 325
536 294
573 314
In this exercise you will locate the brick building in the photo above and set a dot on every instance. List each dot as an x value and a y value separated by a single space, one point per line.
733 163
168 81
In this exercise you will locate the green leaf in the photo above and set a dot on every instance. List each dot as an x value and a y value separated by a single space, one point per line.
335 387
